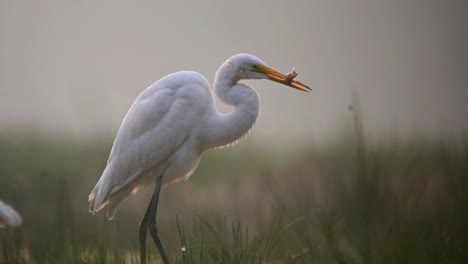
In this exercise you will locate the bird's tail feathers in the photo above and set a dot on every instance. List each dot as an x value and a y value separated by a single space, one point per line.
98 198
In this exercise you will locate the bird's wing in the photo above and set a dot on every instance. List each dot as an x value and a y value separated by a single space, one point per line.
157 124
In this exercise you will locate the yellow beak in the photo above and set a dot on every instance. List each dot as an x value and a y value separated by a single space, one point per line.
279 77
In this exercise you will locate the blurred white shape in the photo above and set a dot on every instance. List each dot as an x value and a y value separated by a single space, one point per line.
9 217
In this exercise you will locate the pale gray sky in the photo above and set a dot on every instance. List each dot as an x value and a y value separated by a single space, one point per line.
75 67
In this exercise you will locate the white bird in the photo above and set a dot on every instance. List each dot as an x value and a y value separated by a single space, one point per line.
170 125
9 217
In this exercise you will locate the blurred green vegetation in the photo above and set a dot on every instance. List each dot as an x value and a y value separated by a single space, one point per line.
347 202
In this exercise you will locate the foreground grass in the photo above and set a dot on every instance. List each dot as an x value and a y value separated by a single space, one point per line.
349 202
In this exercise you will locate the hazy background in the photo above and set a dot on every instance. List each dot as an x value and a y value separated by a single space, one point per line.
387 184
73 68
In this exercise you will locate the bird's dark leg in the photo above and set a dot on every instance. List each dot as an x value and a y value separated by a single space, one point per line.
152 220
143 231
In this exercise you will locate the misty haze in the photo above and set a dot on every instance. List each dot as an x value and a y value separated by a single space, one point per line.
371 166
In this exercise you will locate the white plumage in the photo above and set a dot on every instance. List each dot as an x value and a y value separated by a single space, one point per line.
171 124
9 217
159 131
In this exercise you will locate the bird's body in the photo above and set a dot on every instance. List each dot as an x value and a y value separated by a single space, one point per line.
171 124
9 217
160 131
165 129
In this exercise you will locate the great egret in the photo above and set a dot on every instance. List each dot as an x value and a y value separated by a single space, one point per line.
170 125
9 217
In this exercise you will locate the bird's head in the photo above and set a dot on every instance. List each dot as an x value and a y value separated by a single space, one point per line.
250 67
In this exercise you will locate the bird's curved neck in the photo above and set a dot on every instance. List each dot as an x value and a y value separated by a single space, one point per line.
227 129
